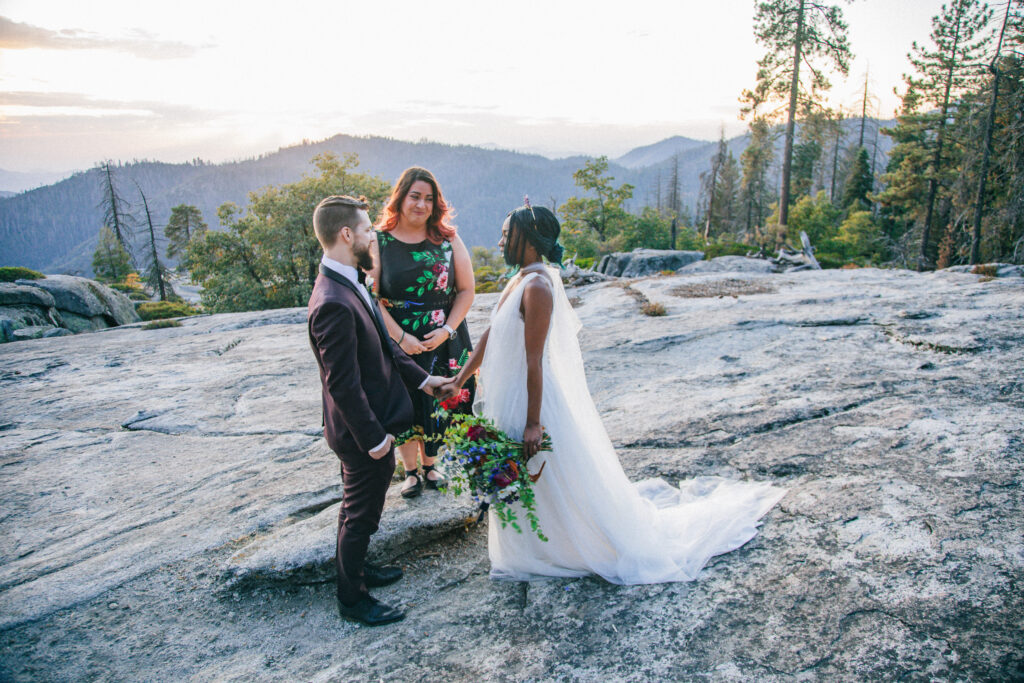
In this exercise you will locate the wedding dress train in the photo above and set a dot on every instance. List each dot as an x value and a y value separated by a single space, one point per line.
596 520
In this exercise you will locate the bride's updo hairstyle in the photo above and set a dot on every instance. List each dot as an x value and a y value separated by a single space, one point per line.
534 225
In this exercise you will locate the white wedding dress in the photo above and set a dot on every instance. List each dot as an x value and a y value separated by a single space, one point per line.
596 520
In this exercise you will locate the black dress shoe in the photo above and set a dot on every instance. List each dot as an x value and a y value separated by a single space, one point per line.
370 612
375 576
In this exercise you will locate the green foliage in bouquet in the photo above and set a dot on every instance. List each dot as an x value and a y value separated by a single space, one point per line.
490 465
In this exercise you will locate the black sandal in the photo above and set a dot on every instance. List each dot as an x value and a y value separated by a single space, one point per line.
438 483
412 490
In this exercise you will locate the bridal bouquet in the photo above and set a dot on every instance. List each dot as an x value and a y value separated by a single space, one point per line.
491 466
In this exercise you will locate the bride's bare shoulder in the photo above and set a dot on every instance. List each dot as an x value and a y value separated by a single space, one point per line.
537 290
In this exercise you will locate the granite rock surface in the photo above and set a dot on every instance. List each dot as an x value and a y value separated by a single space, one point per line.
168 499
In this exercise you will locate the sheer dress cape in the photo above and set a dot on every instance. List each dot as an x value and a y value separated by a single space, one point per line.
596 520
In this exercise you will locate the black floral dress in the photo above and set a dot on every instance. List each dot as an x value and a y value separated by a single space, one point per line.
417 286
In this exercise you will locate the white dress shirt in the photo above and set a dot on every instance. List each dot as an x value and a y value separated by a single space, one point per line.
352 275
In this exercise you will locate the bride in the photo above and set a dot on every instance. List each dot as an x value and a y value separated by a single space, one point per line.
532 380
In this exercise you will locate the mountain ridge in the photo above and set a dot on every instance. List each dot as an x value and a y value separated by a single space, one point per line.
54 228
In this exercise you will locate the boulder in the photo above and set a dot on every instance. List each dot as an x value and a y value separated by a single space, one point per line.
12 294
6 329
729 264
1002 269
32 332
58 332
643 262
87 298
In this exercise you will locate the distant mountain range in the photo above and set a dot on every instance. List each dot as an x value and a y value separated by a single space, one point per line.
54 228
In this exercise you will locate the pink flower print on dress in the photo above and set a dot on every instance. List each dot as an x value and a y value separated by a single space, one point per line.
437 317
453 364
442 278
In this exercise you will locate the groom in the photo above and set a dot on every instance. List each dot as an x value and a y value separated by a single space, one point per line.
365 376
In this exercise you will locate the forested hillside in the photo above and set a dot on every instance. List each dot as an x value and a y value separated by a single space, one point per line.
55 228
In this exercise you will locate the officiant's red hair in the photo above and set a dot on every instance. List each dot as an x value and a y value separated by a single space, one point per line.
439 227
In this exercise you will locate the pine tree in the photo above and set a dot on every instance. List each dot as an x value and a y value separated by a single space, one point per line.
116 211
110 262
858 183
186 222
756 159
156 274
808 33
944 72
989 133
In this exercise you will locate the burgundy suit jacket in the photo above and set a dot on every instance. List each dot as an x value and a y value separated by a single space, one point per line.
366 377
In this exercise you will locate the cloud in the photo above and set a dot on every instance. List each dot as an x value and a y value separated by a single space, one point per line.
54 103
18 36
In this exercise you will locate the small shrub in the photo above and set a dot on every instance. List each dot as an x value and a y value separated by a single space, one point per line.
830 261
717 249
849 266
486 287
667 272
160 324
12 273
653 309
587 262
156 310
988 270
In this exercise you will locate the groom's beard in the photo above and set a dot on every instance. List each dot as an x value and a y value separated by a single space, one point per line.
364 259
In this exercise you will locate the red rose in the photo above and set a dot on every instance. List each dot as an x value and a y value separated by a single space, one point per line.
438 267
476 433
455 400
508 474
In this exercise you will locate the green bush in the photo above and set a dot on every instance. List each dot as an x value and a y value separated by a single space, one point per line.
12 273
486 287
586 262
716 249
829 261
160 324
157 310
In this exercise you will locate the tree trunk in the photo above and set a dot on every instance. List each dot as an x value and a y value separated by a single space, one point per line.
787 154
835 157
152 247
976 237
933 181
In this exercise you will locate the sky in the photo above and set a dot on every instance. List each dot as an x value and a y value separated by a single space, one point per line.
173 81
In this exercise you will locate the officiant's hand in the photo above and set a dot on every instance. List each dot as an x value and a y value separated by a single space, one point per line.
411 345
434 338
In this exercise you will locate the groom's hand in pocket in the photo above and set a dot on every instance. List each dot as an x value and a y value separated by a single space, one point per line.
384 448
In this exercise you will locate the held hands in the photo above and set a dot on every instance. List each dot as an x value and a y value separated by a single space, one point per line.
384 449
452 387
438 386
532 436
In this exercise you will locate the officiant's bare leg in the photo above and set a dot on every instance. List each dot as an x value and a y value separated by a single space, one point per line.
365 483
410 452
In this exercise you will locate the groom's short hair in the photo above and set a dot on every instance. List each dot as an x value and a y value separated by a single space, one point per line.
334 213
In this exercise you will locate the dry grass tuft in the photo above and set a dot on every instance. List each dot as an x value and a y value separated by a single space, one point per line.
652 308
